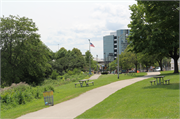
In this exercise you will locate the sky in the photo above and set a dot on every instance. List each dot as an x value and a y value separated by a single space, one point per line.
70 24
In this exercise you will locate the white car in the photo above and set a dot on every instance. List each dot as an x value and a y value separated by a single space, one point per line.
158 69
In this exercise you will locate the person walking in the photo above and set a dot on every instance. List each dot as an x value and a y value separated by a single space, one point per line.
151 68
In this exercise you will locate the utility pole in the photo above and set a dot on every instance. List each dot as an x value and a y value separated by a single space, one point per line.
97 62
118 55
89 59
104 60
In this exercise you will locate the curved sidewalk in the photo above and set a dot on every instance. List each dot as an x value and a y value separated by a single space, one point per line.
76 106
95 76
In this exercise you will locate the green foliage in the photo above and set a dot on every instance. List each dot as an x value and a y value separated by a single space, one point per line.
94 65
51 88
70 72
156 25
66 76
20 94
113 65
54 74
60 77
76 71
24 56
68 60
61 53
88 56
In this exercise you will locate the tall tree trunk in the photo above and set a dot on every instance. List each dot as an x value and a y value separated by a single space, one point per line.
176 65
146 68
160 64
136 68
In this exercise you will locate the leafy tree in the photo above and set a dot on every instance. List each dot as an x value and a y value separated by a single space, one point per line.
126 60
113 65
87 56
60 53
134 59
54 74
68 60
155 24
79 60
147 60
94 65
24 57
166 61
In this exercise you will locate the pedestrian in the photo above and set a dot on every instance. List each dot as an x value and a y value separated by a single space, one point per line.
151 68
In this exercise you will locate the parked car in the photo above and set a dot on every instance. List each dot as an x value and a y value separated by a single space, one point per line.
123 71
158 69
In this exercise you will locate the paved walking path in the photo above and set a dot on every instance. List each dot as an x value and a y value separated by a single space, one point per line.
95 76
76 106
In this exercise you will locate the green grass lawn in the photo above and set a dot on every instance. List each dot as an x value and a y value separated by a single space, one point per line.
63 93
141 100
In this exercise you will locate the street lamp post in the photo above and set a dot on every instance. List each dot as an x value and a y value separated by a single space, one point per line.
108 62
97 62
89 59
105 59
118 54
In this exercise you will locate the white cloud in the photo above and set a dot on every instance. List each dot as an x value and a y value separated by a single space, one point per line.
71 24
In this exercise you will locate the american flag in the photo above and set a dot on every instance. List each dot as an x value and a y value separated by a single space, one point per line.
92 45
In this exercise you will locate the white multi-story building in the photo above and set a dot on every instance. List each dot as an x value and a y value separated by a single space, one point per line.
110 46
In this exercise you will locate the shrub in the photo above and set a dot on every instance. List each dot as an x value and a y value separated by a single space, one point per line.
66 76
70 72
54 74
38 94
45 89
51 88
28 95
59 77
76 71
21 99
33 84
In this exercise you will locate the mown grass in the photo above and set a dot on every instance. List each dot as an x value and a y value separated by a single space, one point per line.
141 100
62 93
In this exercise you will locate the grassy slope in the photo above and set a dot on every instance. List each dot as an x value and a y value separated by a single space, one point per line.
63 93
140 100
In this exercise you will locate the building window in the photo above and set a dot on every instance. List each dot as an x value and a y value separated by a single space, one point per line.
172 67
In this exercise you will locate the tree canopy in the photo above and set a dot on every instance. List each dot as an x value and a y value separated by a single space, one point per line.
155 29
24 56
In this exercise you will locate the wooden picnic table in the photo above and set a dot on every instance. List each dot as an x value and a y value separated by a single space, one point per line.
159 77
83 81
86 81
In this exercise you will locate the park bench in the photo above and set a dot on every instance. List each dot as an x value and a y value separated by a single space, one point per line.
152 81
168 80
78 83
87 84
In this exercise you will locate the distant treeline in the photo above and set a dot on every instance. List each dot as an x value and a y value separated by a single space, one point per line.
25 58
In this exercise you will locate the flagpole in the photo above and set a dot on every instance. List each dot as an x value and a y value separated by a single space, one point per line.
89 59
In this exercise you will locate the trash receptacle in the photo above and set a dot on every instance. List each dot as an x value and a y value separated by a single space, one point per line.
48 98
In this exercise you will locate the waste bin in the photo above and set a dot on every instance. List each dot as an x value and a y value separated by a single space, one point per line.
48 98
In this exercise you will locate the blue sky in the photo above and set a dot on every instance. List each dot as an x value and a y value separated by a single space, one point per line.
71 23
